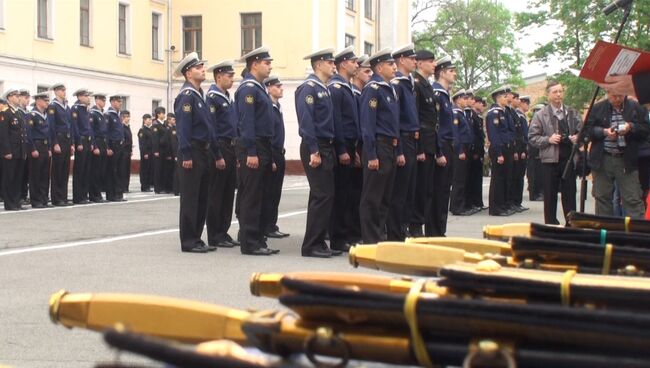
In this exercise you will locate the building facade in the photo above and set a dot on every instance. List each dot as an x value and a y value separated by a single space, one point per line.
131 46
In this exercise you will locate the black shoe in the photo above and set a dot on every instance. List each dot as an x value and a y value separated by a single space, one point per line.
98 200
210 248
415 231
235 243
81 202
284 235
224 244
59 204
258 252
317 253
38 205
521 208
342 247
199 248
275 235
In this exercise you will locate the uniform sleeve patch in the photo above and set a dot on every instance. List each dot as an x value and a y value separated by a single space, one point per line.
310 83
250 99
372 103
309 99
374 86
51 111
187 108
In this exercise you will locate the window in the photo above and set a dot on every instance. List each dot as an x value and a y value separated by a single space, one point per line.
368 9
84 22
155 104
349 4
251 32
44 19
367 48
125 103
192 35
123 29
42 88
2 14
349 40
155 36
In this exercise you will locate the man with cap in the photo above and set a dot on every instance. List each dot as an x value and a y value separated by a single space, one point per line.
84 144
124 162
362 76
254 110
462 149
379 119
160 149
445 75
173 137
223 179
346 130
115 137
500 151
534 167
146 154
58 115
316 128
477 153
12 151
521 152
39 153
513 156
196 149
274 189
23 106
99 158
425 103
403 197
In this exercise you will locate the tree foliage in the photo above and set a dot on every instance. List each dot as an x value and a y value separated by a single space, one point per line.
578 25
478 35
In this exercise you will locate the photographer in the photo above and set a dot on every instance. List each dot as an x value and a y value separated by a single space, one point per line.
553 131
617 127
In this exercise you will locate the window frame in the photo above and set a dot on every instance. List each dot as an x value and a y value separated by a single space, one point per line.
195 31
89 25
368 48
158 55
127 29
350 5
369 11
255 27
349 37
49 24
2 15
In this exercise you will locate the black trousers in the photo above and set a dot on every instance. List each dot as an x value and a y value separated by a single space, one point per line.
98 171
344 222
274 192
459 201
554 183
423 214
194 197
475 182
221 194
251 195
39 174
376 193
403 197
499 181
442 191
168 174
535 178
12 179
124 170
158 174
113 188
61 170
146 172
517 183
24 186
321 195
81 172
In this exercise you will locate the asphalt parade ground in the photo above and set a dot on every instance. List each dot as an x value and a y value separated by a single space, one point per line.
133 247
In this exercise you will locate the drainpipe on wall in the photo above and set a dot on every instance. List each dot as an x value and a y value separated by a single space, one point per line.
170 55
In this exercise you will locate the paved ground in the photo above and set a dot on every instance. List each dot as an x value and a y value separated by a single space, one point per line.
133 247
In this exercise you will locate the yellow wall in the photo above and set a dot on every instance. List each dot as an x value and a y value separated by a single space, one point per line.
19 38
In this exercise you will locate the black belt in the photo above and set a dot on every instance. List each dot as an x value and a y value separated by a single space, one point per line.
325 140
200 144
386 139
415 135
226 140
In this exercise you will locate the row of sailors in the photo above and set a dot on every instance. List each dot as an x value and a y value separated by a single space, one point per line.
379 157
38 145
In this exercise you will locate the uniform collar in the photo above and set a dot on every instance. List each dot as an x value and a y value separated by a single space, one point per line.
96 109
439 88
496 107
63 106
187 86
111 110
214 89
277 106
41 114
78 103
248 78
375 79
356 90
314 78
337 79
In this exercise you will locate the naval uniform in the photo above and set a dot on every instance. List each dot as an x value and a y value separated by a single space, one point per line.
145 143
39 167
222 182
316 128
195 141
58 118
477 153
83 142
344 217
459 203
99 159
161 149
274 189
115 137
519 165
254 110
498 133
379 119
12 142
447 135
124 164
404 188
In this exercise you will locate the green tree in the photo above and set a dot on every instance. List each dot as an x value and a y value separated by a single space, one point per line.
579 24
477 34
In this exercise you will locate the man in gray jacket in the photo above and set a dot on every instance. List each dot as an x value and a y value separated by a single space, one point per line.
554 130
